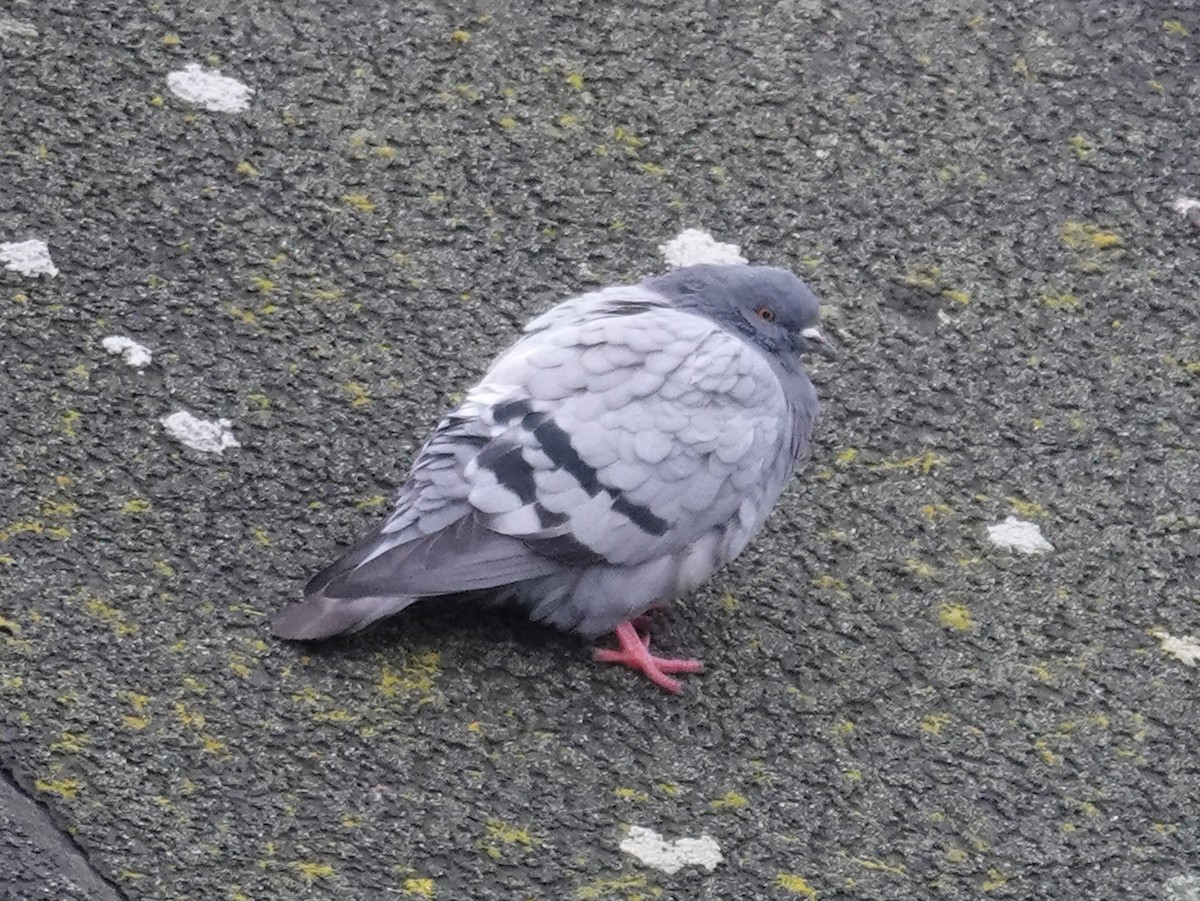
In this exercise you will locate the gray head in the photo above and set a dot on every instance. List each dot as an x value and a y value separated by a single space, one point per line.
769 306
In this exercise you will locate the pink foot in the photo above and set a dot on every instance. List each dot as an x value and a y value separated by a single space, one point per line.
635 654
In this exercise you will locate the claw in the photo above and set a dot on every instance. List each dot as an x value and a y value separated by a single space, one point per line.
635 654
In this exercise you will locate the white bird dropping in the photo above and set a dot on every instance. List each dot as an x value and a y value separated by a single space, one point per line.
136 355
210 89
200 434
654 851
1019 535
30 257
695 246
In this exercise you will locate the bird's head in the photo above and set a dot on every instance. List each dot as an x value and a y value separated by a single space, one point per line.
769 306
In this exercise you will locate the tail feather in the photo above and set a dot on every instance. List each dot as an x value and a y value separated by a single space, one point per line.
320 616
385 572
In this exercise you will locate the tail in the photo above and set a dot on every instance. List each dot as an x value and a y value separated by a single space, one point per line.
320 616
386 572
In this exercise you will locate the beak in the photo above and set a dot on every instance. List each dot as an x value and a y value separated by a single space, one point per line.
817 342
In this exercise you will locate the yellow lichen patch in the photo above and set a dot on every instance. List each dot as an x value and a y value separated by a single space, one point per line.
1021 67
1060 301
337 715
247 169
879 865
932 723
957 295
170 40
1042 746
135 505
627 138
1085 236
414 678
359 396
575 80
360 202
796 884
731 800
459 36
630 794
827 581
924 462
260 535
604 887
213 745
64 788
995 879
499 837
310 871
69 420
506 122
934 512
955 855
1175 27
419 887
926 276
59 508
1041 672
919 568
956 617
846 457
1026 509
9 626
1083 147
135 722
110 615
191 718
653 169
18 528
325 294
239 669
248 317
567 120
71 743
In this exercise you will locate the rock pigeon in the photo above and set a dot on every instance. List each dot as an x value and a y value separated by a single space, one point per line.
630 442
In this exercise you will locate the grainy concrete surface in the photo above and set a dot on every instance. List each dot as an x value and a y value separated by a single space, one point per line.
983 193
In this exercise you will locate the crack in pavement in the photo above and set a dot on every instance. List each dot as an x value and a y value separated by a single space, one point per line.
41 859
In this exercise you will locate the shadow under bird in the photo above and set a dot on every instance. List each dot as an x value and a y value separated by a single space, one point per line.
630 442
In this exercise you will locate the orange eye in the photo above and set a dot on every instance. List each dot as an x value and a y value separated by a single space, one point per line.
766 314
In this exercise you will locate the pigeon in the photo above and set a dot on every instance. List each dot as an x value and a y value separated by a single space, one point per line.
628 444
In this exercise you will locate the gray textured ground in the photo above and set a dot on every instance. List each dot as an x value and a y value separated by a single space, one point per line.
894 708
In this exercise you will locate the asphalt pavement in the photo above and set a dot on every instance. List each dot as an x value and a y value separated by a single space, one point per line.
323 220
